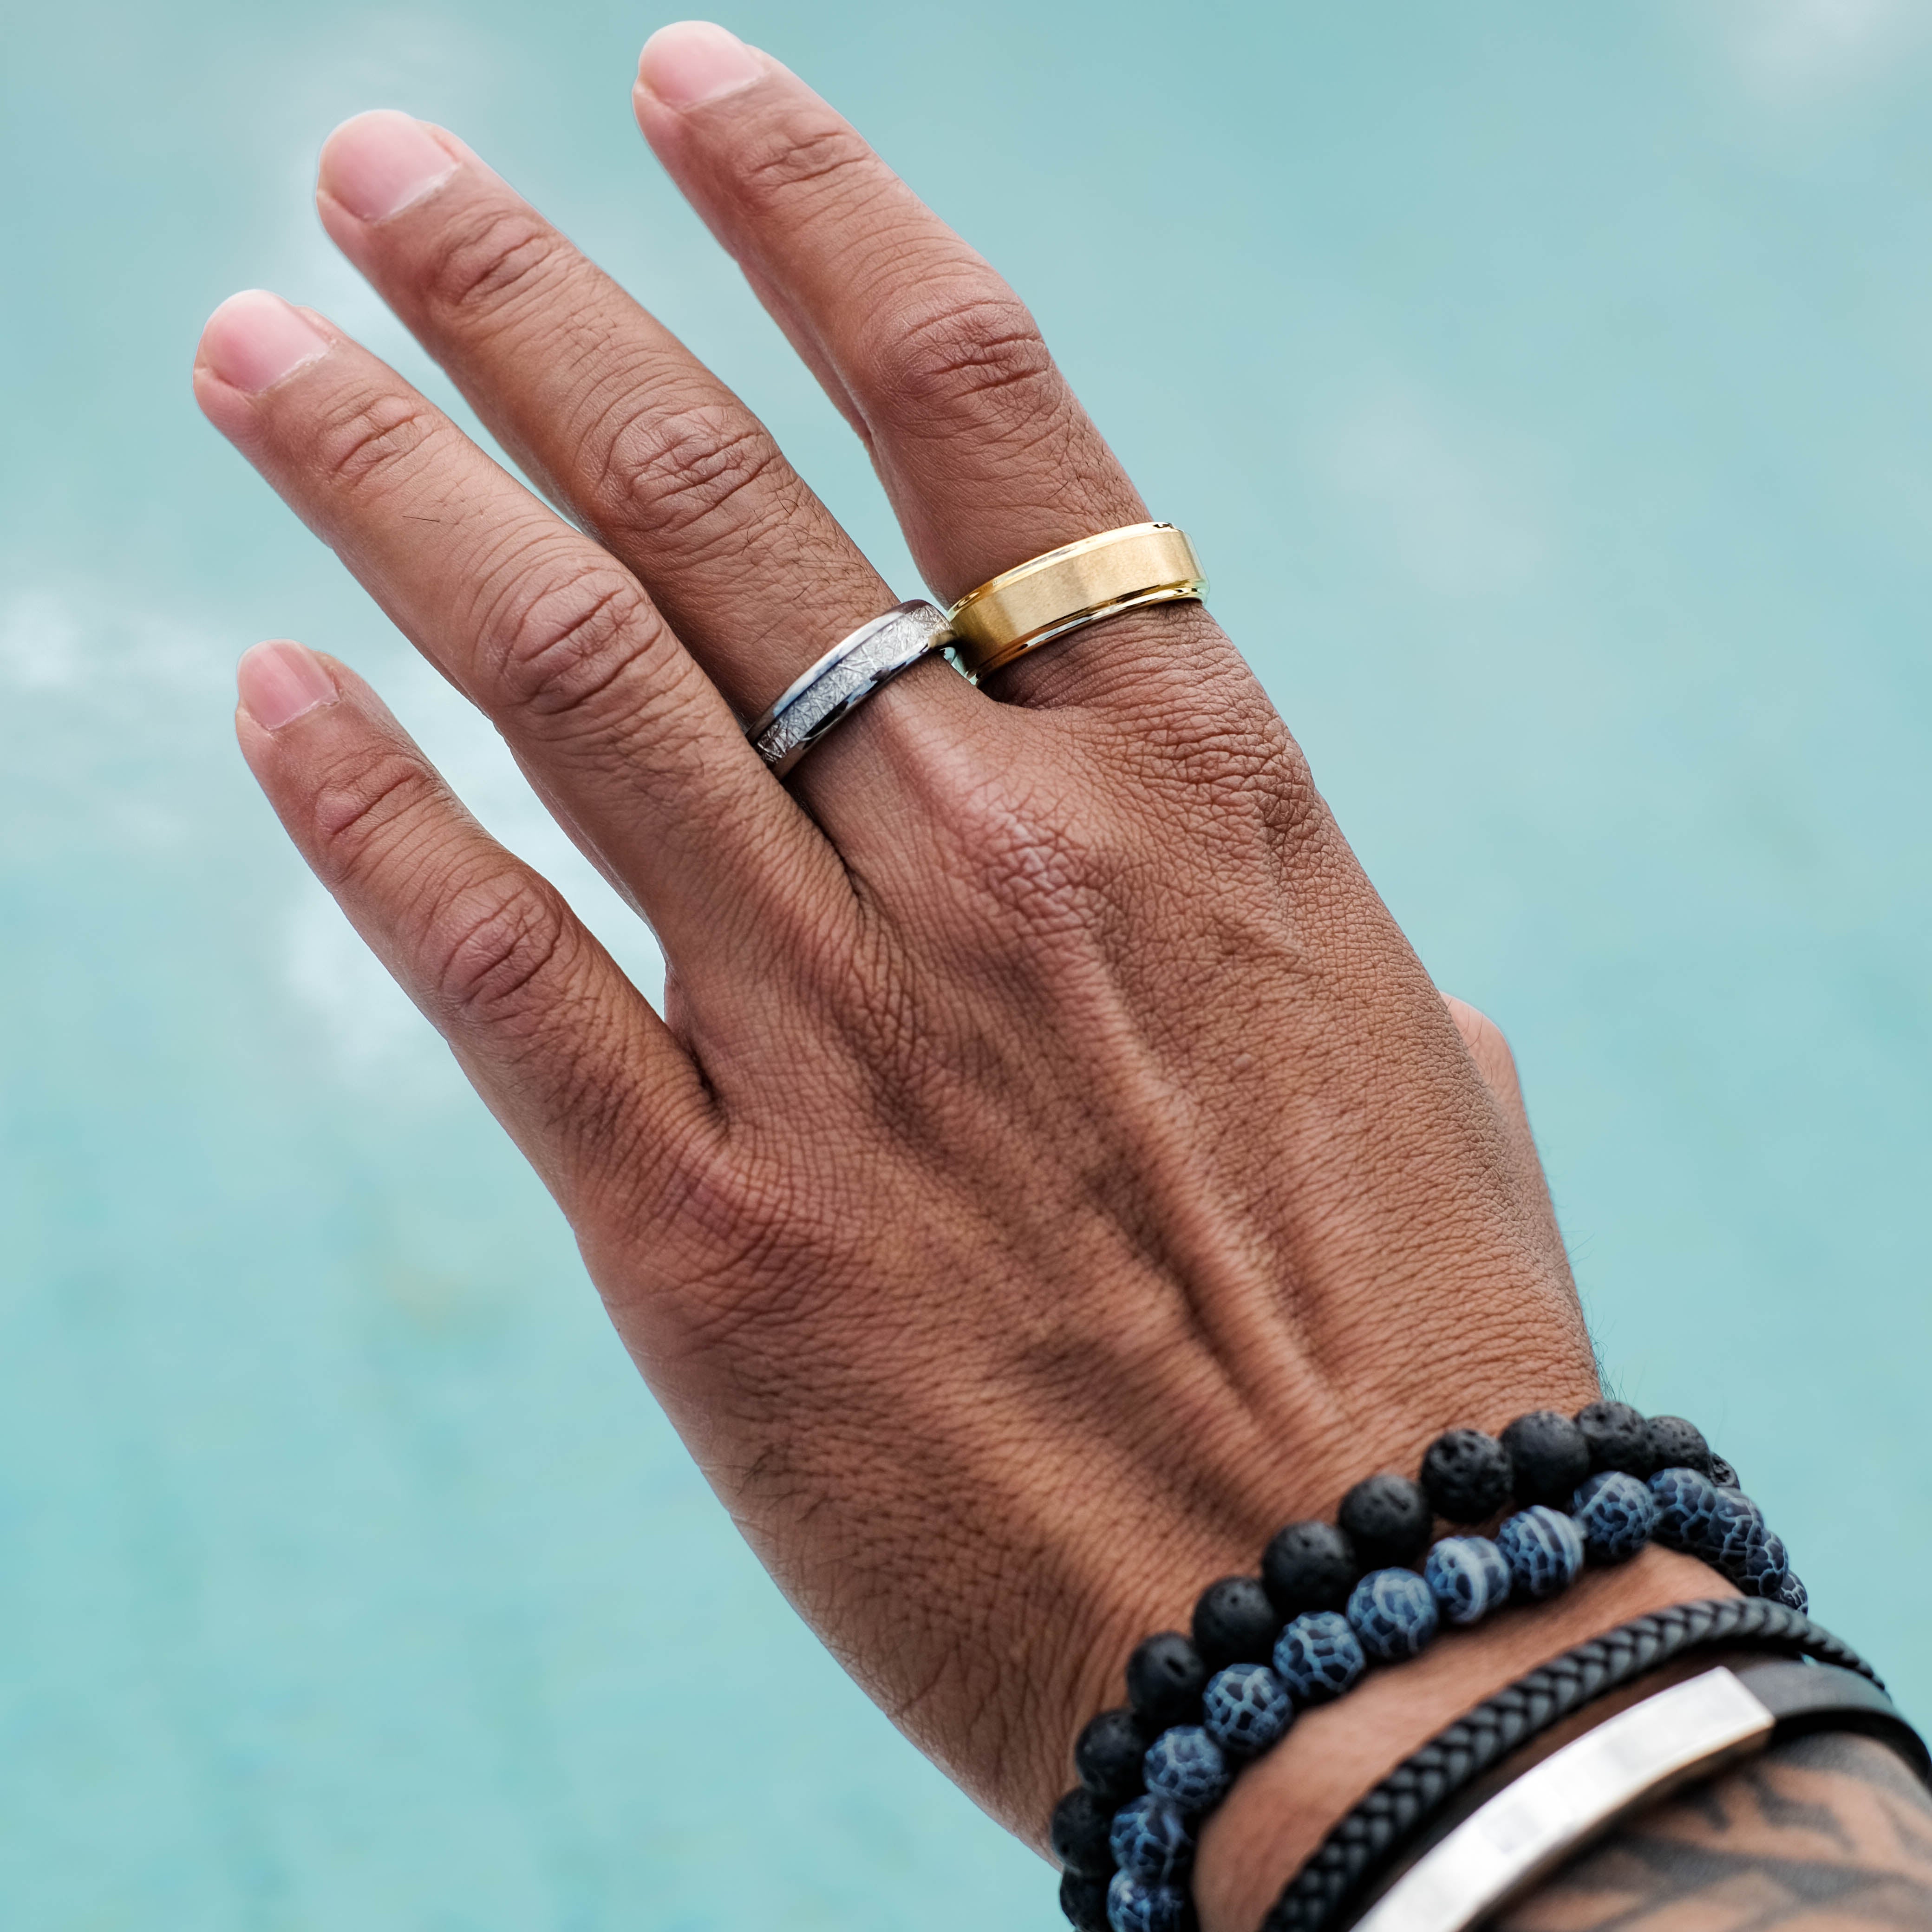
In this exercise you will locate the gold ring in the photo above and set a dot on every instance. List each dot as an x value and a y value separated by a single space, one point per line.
1079 583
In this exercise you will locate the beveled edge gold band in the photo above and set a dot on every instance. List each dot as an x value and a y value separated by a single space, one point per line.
1079 583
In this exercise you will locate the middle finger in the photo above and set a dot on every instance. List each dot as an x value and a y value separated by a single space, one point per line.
604 408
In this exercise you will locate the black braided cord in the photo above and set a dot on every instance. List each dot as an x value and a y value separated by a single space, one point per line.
1399 1808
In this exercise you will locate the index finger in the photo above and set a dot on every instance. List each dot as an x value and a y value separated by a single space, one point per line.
985 451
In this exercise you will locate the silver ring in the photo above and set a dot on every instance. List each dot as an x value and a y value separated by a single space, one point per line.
842 680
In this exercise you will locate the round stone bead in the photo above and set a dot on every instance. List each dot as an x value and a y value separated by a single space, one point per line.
1187 1768
1309 1566
1765 1567
1085 1902
1615 1513
1793 1595
1466 1475
1393 1613
1467 1577
1246 1709
1151 1840
1548 1457
1723 1475
1318 1656
1686 1501
1108 1756
1543 1550
1164 1678
1134 1906
1386 1518
1737 1532
1675 1444
1234 1623
1082 1821
1617 1436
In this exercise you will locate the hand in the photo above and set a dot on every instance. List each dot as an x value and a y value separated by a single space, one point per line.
1052 1170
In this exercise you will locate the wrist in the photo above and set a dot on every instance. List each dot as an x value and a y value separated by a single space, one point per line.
1282 1807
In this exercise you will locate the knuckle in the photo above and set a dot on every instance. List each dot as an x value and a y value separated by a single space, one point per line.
750 1209
499 940
1030 868
1194 728
561 643
796 159
358 809
982 355
1241 768
358 444
704 472
489 257
771 1262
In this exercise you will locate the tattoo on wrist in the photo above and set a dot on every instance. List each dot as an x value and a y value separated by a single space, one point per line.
1827 1830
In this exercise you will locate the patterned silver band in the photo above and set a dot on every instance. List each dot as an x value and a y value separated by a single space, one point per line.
842 680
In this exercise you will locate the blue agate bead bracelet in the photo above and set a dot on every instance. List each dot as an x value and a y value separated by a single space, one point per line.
1372 1589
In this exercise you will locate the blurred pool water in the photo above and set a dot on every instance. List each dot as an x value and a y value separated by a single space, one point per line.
1550 396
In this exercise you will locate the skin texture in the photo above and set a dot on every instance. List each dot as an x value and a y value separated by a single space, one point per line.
1052 1169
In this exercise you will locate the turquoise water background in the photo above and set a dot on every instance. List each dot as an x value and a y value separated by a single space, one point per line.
1550 390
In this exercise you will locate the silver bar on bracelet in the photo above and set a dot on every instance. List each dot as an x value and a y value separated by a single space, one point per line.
1529 1828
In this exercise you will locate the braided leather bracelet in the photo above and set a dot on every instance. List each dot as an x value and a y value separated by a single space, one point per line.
1399 1810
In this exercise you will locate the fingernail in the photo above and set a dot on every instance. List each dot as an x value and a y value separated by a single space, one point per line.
277 683
254 339
692 61
378 163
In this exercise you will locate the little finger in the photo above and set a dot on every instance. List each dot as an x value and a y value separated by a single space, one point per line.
567 1054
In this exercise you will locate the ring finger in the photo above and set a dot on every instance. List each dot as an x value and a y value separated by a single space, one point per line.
986 454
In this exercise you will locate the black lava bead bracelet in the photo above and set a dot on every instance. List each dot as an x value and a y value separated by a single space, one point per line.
1333 1599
